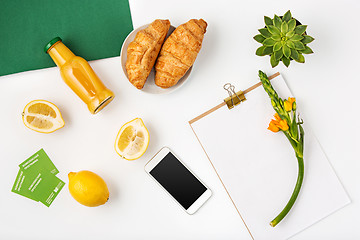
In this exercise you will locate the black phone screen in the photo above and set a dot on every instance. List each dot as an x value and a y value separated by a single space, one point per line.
178 180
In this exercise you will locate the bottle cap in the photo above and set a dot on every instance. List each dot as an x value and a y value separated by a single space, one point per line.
52 42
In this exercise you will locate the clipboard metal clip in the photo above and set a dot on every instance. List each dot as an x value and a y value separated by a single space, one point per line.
235 98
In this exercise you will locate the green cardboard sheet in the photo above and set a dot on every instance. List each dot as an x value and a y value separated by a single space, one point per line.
92 29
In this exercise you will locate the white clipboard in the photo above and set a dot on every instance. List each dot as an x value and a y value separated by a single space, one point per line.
258 168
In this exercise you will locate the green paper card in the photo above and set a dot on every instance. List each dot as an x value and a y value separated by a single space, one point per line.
20 184
40 161
38 186
91 29
36 179
46 187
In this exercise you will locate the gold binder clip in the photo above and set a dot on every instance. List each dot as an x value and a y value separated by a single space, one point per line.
235 98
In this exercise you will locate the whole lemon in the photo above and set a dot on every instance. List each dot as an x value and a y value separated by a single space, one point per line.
88 188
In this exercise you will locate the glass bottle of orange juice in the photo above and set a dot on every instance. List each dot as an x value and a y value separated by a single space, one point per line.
79 76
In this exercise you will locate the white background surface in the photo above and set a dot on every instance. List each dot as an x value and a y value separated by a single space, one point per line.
326 87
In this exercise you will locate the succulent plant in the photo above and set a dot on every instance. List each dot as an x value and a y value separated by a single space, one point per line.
283 39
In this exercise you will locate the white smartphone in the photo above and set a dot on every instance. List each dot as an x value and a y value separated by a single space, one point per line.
177 180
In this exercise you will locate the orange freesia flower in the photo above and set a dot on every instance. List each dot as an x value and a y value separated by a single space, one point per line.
278 124
288 104
273 127
283 125
277 117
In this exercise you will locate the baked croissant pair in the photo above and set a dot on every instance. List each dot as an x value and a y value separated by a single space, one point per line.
177 54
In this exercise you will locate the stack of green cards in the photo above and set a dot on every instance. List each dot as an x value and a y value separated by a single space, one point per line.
36 179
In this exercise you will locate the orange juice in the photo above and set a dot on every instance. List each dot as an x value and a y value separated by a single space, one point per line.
79 76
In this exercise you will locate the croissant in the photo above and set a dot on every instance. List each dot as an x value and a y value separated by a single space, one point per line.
143 51
179 52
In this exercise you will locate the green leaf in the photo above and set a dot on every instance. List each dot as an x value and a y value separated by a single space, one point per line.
301 58
300 29
287 16
276 37
268 21
290 34
269 42
277 21
286 51
259 38
273 30
260 51
268 50
293 126
307 50
299 45
292 142
294 54
296 37
301 138
286 61
265 32
290 44
307 39
292 25
278 55
277 46
273 61
284 27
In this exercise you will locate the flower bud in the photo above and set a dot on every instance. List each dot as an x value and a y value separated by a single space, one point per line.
289 104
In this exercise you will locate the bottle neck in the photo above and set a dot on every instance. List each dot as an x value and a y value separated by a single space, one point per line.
60 53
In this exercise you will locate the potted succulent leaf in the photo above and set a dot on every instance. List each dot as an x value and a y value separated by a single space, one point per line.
284 39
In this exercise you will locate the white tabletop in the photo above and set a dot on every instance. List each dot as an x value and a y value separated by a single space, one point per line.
326 88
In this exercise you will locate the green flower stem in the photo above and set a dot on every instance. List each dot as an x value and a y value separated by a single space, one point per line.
294 195
295 135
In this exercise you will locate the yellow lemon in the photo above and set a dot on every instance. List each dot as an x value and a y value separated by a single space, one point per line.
88 188
42 116
132 140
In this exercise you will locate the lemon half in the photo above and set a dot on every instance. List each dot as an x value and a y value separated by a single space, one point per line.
42 116
132 140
